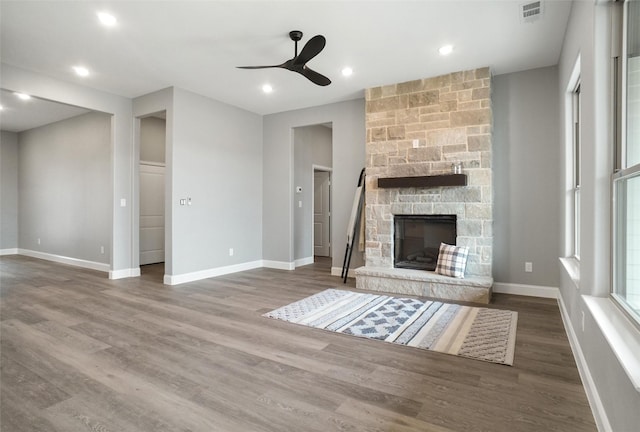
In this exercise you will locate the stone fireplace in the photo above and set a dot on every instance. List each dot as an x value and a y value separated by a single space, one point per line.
419 130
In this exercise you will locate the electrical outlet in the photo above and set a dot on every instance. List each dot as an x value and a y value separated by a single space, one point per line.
416 143
528 267
230 251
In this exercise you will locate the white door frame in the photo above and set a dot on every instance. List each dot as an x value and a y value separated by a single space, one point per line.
315 168
135 231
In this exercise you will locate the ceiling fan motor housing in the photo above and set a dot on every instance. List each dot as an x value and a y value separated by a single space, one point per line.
295 35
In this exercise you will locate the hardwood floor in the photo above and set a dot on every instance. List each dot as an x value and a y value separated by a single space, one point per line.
84 353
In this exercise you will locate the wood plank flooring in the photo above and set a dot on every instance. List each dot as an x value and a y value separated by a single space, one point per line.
80 352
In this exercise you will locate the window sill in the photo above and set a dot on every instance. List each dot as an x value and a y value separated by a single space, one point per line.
623 337
572 267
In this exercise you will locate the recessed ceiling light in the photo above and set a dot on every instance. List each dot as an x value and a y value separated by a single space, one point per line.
347 71
445 50
22 96
107 19
267 88
81 71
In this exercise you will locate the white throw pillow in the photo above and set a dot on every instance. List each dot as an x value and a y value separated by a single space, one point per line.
452 260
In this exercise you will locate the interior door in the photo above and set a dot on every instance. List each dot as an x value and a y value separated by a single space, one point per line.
321 213
151 214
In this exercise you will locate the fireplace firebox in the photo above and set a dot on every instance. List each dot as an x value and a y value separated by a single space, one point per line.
417 239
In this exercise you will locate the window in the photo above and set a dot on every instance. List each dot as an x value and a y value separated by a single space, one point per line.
575 115
572 110
626 180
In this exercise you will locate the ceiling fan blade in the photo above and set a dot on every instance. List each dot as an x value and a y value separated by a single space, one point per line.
258 67
315 77
310 50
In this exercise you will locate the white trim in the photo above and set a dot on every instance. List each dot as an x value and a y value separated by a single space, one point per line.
526 290
93 265
279 265
209 273
13 251
124 273
599 413
572 267
292 200
150 163
321 168
623 337
337 271
304 261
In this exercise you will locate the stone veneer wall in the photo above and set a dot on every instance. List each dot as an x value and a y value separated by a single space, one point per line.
450 116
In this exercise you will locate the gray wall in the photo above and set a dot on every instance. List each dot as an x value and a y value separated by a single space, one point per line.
526 177
278 188
8 190
312 146
587 38
153 133
216 159
121 156
64 188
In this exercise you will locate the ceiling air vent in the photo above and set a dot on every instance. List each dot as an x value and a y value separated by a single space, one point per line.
530 12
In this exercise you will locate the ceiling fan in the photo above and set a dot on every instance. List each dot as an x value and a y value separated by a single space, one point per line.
299 61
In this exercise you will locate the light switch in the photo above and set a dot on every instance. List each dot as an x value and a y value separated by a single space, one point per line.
123 202
300 204
183 201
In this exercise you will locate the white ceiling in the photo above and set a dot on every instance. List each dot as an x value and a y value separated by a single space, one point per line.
18 115
196 45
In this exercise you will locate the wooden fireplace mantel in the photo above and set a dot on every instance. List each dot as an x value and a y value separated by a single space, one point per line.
423 181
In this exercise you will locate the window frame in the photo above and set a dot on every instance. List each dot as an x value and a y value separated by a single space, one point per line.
576 148
619 263
621 172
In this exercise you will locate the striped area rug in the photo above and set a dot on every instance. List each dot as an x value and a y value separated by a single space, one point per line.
474 332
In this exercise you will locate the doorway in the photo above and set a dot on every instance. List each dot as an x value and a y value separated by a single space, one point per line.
313 160
321 212
152 192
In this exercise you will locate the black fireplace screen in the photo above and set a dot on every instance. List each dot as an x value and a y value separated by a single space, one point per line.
417 239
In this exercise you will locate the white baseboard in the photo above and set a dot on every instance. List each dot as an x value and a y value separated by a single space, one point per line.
279 265
337 271
209 273
66 260
526 290
304 261
599 414
13 251
124 273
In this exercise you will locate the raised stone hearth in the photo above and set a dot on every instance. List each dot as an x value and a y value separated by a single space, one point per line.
424 283
421 128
